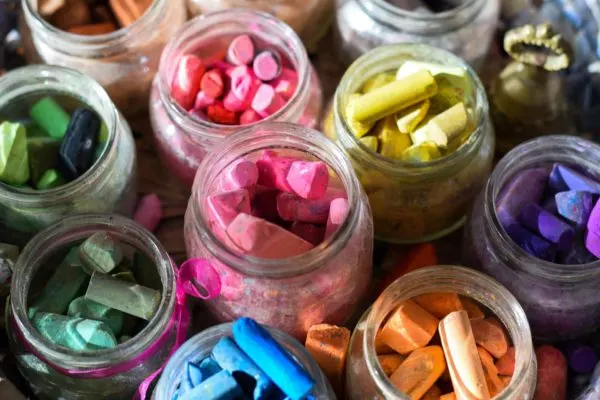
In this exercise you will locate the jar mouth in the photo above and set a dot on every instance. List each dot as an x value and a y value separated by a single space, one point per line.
546 150
109 44
70 230
275 135
391 57
46 79
465 282
224 23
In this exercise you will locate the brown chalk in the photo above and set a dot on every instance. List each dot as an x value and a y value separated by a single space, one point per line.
490 335
390 362
472 309
439 304
506 363
94 29
421 369
408 328
128 11
328 344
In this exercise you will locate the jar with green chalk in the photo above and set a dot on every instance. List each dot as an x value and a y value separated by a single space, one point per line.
424 145
95 365
40 106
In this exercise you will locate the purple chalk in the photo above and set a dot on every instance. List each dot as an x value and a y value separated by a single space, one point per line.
582 358
575 206
555 180
550 205
593 223
551 228
577 254
592 243
527 186
564 178
530 242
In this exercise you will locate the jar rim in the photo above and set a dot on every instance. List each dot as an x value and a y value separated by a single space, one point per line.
296 54
400 167
78 226
442 278
50 79
269 135
522 260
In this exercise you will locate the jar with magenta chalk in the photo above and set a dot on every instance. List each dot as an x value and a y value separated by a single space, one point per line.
279 213
224 70
67 150
116 42
442 331
242 358
413 119
534 228
94 309
463 27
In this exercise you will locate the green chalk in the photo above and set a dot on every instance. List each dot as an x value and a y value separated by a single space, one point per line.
74 333
14 162
89 309
100 252
50 179
43 155
50 117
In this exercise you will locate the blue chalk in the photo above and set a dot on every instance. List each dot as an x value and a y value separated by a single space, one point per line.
221 386
232 359
195 374
571 180
277 363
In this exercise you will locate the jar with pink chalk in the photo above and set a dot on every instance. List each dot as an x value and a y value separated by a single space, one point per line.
224 70
280 215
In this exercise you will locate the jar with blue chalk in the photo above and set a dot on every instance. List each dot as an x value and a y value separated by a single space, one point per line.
66 149
242 358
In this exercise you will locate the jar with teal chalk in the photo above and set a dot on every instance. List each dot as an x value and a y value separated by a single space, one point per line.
68 343
65 149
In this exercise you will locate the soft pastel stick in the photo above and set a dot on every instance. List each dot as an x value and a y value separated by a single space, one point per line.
506 364
490 335
562 176
390 362
195 374
225 206
338 211
203 100
308 179
267 65
232 103
186 80
439 304
73 332
575 206
244 83
550 227
286 84
418 373
328 344
212 84
242 173
512 197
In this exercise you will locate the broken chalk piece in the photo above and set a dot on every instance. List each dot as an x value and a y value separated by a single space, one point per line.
530 242
100 252
266 101
371 142
493 381
310 232
293 208
225 206
506 364
390 362
550 227
42 155
186 80
195 374
49 180
74 333
575 206
359 129
149 212
490 335
308 179
439 304
78 147
241 173
422 152
451 124
221 386
51 117
433 393
328 344
472 309
89 309
410 67
512 197
14 161
572 179
408 119
267 65
419 372
241 50
393 142
338 211
377 81
273 170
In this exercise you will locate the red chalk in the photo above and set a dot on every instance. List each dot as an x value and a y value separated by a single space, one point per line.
219 114
293 208
260 238
311 233
267 65
203 101
186 81
249 117
338 211
273 170
551 374
241 50
212 83
308 179
244 83
148 212
266 101
225 206
286 84
241 174
233 103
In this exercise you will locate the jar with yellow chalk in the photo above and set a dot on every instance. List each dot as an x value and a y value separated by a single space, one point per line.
414 121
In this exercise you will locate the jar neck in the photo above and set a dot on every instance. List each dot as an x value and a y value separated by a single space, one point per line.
466 282
391 57
208 28
275 135
73 230
40 80
543 151
423 23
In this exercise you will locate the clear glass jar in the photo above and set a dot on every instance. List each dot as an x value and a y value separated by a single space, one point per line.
285 293
200 347
123 62
183 141
310 19
467 30
108 186
561 301
48 382
365 378
415 202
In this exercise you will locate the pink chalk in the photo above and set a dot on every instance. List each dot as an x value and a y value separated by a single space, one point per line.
186 80
286 84
249 117
244 83
267 65
308 179
273 170
311 233
203 101
148 212
222 66
233 103
241 50
266 101
293 208
260 238
199 114
241 174
225 206
338 211
264 203
199 279
212 83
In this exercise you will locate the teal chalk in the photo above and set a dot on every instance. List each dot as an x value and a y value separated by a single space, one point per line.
89 309
100 252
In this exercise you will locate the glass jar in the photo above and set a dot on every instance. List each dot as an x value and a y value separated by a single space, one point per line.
365 378
310 19
467 30
415 202
183 141
561 301
57 372
285 293
108 186
200 347
123 62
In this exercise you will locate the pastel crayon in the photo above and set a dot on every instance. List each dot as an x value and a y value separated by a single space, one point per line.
308 179
186 80
212 84
285 85
220 115
377 81
225 206
203 100
439 304
266 101
419 372
221 386
575 206
196 373
244 83
267 65
89 309
390 362
408 328
548 226
338 211
506 364
563 178
232 103
530 242
472 309
14 160
328 344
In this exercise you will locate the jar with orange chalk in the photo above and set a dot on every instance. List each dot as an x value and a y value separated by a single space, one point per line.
225 70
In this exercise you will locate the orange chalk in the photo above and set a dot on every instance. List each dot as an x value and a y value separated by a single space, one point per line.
422 255
472 309
494 383
506 364
439 304
328 344
506 380
433 393
417 374
408 328
390 362
448 396
490 335
380 347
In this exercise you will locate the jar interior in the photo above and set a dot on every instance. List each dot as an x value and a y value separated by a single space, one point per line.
428 5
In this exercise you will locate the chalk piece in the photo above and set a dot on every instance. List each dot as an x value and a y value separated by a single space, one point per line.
221 386
241 173
563 178
391 140
506 364
49 116
512 197
338 212
358 128
249 117
273 170
42 154
212 84
286 84
267 65
203 100
78 147
294 208
14 160
244 83
439 304
377 81
551 374
328 344
266 101
74 333
490 334
390 362
225 206
149 212
89 309
308 179
530 242
310 232
241 50
575 206
471 308
550 227
100 252
186 80
421 369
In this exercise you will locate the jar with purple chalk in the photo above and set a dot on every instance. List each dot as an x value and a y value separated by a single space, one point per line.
67 150
536 228
242 358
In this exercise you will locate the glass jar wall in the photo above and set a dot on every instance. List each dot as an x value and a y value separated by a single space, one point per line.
108 186
285 293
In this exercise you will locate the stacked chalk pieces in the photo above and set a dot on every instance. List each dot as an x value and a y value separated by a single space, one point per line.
552 213
249 365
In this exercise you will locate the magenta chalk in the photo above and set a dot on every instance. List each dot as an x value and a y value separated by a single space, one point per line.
225 206
266 101
310 232
267 65
199 279
308 179
241 173
243 83
293 208
241 50
286 84
338 211
149 212
273 170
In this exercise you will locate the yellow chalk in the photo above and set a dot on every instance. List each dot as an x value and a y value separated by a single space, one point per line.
393 143
408 119
410 67
377 81
359 129
451 123
422 152
371 142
